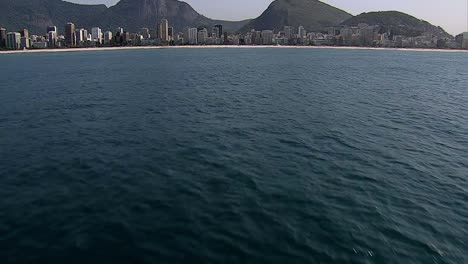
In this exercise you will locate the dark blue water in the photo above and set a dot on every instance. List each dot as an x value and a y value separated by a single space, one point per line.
234 156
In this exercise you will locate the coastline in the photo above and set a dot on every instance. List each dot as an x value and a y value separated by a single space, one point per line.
223 47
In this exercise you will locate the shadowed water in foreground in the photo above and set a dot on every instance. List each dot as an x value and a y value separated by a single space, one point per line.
234 156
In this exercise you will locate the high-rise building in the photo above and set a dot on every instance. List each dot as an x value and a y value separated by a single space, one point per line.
346 34
125 38
202 36
289 32
52 36
13 40
191 35
367 35
154 33
145 33
164 31
256 37
3 37
119 31
219 30
301 32
179 38
170 33
215 33
25 43
52 28
24 38
465 41
85 35
96 34
267 37
107 37
80 36
24 33
117 38
70 38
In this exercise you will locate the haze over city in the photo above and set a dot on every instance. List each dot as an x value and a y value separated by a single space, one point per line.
451 15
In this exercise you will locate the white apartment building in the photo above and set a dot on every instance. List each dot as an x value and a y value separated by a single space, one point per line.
96 34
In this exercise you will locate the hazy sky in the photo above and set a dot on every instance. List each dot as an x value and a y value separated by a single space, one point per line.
449 14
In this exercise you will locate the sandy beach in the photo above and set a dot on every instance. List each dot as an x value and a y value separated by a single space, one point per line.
224 47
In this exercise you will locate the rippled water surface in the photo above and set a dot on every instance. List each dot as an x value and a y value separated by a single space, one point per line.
234 156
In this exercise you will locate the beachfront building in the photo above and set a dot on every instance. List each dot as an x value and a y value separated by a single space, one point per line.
465 40
202 36
39 45
107 37
190 36
215 33
24 33
218 29
367 35
289 32
52 28
119 31
125 37
3 37
70 37
52 39
164 31
81 36
96 35
145 33
302 33
267 37
170 33
25 41
13 41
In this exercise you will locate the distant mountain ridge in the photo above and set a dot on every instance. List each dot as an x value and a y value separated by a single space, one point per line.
313 15
36 15
132 15
135 14
398 22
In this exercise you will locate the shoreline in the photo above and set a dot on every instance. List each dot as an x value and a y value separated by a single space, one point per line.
224 47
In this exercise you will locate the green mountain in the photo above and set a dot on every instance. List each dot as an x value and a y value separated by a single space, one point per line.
397 22
132 15
313 15
135 14
36 15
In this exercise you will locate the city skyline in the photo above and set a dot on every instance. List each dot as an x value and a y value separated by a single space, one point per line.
432 11
363 35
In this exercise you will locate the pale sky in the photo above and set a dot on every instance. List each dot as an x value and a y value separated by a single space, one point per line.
449 14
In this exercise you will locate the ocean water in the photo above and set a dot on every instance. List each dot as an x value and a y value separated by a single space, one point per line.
234 156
